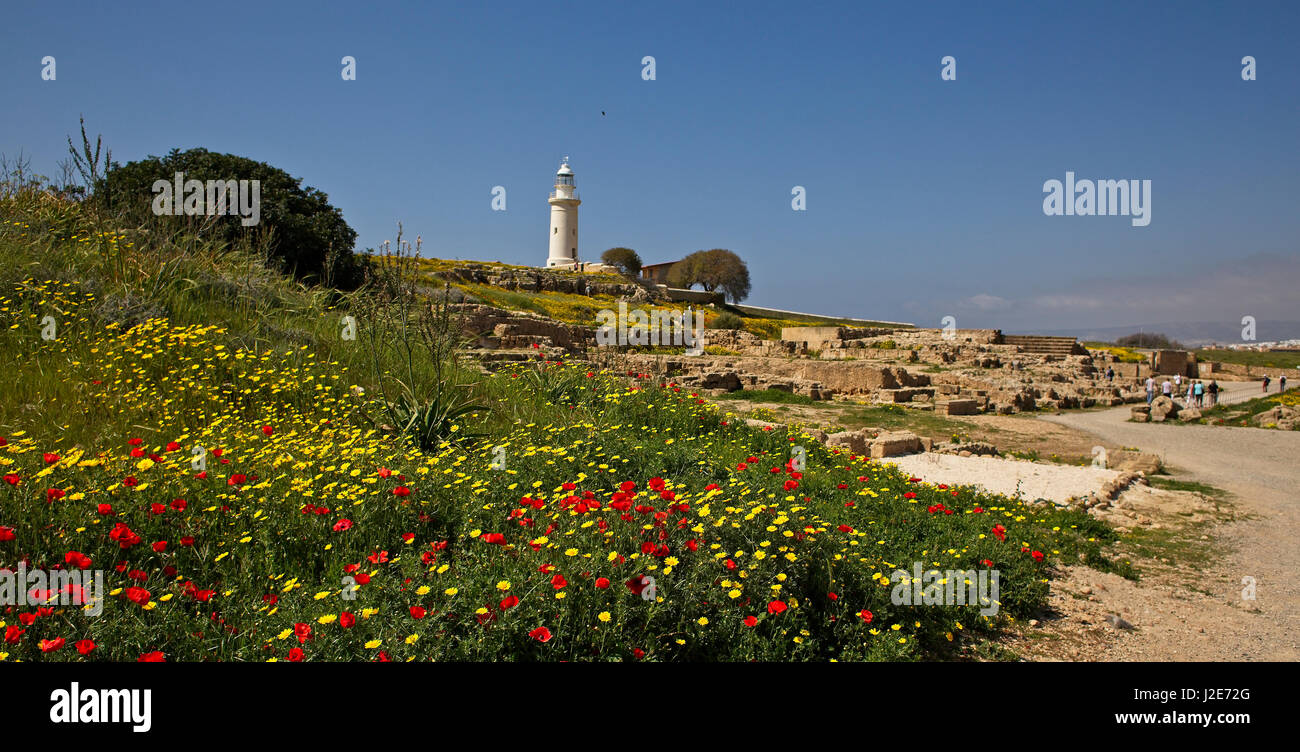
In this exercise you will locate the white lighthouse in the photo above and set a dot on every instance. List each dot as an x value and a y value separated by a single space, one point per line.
564 219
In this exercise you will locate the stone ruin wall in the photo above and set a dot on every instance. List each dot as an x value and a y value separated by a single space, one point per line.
969 371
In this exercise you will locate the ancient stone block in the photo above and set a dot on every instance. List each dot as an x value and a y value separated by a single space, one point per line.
959 407
895 443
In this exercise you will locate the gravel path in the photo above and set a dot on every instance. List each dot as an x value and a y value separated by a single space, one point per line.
1029 480
1261 468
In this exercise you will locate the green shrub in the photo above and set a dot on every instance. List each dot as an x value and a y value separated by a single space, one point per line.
726 320
306 236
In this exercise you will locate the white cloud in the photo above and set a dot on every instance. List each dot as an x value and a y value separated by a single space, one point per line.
986 302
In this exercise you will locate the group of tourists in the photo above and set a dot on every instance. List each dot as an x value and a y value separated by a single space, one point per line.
1196 394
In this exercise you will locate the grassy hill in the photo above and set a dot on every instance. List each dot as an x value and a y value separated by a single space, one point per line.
268 471
1251 358
581 309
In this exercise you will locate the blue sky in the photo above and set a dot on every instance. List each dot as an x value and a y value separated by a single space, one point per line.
924 197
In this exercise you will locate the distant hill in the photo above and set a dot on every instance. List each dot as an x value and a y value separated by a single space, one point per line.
1190 333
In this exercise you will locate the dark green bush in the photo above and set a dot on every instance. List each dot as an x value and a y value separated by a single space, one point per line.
307 237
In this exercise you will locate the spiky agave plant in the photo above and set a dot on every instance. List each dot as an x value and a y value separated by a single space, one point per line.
430 421
419 337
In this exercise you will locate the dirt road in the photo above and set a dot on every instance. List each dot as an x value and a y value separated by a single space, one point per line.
1261 468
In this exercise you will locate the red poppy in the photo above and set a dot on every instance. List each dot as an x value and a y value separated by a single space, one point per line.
123 535
268 430
49 646
296 655
50 458
776 607
384 472
347 619
602 583
12 479
6 533
343 524
156 656
137 595
85 646
401 491
418 612
750 621
76 559
302 631
509 602
541 634
999 532
558 581
866 615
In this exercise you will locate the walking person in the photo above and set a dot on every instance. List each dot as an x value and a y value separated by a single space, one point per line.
1110 374
1214 393
1266 381
1151 389
1167 389
1199 393
1281 383
1187 401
